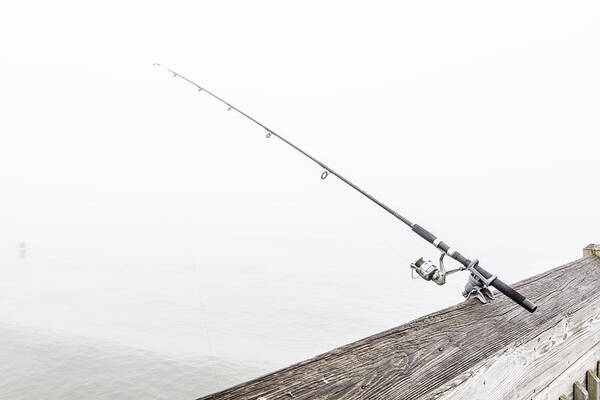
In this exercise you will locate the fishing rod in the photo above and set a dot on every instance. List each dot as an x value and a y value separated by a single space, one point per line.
479 279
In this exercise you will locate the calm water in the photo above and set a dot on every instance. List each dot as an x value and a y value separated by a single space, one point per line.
51 365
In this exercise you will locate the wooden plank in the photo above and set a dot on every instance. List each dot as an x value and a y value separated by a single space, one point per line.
559 355
575 372
592 384
579 393
497 349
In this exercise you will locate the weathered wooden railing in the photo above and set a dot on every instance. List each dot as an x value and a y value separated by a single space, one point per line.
468 351
589 390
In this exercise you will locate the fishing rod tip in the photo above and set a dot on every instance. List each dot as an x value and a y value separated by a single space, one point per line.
157 64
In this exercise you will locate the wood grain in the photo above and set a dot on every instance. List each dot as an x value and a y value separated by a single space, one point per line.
563 383
559 355
592 382
498 348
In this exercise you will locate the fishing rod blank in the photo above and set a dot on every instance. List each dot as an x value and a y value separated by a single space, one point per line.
479 279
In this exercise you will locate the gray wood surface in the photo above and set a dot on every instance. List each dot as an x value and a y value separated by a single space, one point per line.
441 352
592 384
579 393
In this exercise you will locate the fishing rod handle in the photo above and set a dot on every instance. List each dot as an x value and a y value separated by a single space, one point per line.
497 283
508 291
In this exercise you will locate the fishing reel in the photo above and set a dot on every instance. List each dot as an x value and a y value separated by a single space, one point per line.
477 286
431 272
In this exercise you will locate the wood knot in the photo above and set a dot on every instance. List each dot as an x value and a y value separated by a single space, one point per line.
400 360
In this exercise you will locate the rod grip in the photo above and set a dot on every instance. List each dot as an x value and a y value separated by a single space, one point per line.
424 233
508 291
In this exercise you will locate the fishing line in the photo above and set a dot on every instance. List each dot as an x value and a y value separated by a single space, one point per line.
201 300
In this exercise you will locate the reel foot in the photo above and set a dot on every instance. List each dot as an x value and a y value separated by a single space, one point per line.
476 289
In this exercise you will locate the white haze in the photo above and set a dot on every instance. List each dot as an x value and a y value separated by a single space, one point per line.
173 250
